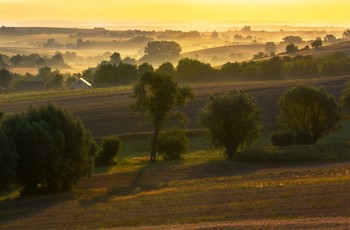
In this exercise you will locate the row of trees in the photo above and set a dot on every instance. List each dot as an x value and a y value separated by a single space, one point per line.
118 71
192 70
54 80
32 60
233 118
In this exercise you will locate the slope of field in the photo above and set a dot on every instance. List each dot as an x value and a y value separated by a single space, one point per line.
343 47
108 113
221 54
170 194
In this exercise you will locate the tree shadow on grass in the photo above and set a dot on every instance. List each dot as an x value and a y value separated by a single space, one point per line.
154 176
31 205
151 176
160 175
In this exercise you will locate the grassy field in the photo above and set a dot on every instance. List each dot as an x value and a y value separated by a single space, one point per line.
201 191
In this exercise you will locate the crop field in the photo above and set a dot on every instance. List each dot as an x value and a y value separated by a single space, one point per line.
107 111
203 191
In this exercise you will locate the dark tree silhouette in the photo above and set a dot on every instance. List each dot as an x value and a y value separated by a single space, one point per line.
291 48
5 78
317 43
160 51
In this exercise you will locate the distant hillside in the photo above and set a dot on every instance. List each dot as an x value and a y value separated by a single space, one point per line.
221 54
343 47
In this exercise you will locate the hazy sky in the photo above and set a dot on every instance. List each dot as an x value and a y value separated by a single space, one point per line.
211 11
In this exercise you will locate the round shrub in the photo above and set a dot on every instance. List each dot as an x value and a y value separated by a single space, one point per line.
282 138
110 148
53 147
172 143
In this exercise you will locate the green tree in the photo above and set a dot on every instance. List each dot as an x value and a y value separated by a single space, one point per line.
53 147
270 47
160 51
167 68
232 119
144 68
115 59
291 48
159 95
292 39
271 69
309 111
344 99
44 73
17 60
110 148
330 38
56 81
231 71
346 34
5 78
259 55
172 144
8 162
192 70
317 43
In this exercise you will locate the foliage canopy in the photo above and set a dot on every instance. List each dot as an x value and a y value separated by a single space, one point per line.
159 95
232 119
53 147
309 111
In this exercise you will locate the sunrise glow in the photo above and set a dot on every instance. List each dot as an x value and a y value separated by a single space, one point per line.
212 11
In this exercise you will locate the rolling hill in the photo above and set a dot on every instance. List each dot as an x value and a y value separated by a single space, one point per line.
110 113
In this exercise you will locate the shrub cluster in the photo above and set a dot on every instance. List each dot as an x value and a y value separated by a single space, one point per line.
45 149
110 148
172 143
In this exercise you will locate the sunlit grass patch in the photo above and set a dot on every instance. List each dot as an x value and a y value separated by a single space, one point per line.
10 195
52 94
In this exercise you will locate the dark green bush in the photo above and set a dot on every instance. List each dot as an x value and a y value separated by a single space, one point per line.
303 138
53 147
8 162
110 148
282 138
172 143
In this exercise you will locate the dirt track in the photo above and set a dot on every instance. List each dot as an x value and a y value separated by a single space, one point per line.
335 223
110 113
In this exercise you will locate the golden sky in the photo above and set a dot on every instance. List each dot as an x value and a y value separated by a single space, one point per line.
258 11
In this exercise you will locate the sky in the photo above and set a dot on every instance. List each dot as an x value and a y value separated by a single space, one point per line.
100 12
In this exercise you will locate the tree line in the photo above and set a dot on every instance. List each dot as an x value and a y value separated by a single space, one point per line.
117 71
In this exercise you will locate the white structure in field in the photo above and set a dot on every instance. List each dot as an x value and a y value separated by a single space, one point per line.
80 84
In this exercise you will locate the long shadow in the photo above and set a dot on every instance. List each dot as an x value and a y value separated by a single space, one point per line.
160 175
140 181
30 205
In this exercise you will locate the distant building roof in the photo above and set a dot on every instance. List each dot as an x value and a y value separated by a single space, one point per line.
31 86
81 83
